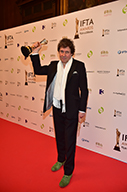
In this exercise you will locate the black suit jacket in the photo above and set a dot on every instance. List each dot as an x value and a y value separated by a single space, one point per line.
76 91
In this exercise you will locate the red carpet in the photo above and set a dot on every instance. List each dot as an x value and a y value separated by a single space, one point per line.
26 157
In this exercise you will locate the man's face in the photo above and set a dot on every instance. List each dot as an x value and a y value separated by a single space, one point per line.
65 54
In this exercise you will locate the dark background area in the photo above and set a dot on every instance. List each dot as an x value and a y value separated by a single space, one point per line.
18 12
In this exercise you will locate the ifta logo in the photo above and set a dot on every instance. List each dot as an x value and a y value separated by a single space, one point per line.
100 110
124 10
83 27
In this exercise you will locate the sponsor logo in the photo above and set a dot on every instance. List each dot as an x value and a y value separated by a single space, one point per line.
98 127
90 71
7 115
12 59
26 31
33 98
26 121
121 52
100 110
26 97
26 109
43 57
105 32
18 58
53 56
42 126
104 53
12 83
19 118
7 104
19 107
33 123
89 54
9 40
18 71
124 142
85 140
53 25
33 111
18 84
103 72
120 72
99 145
86 26
19 95
119 93
1 97
51 129
13 117
78 54
101 91
12 94
83 27
124 10
107 12
18 32
65 22
41 113
85 124
53 40
117 113
13 106
12 70
90 90
43 27
121 142
34 29
120 30
29 77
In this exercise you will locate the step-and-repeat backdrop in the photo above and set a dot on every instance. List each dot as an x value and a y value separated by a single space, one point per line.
100 38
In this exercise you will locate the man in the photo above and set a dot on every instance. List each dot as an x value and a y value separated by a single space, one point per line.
67 91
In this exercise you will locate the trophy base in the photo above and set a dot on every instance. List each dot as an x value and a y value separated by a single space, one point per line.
26 83
117 148
76 36
26 51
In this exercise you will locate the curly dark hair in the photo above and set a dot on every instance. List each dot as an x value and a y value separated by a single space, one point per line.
65 42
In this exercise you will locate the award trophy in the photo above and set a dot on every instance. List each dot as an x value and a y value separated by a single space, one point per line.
26 50
116 147
26 83
76 33
5 41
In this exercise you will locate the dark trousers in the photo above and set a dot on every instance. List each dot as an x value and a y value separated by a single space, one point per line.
65 132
